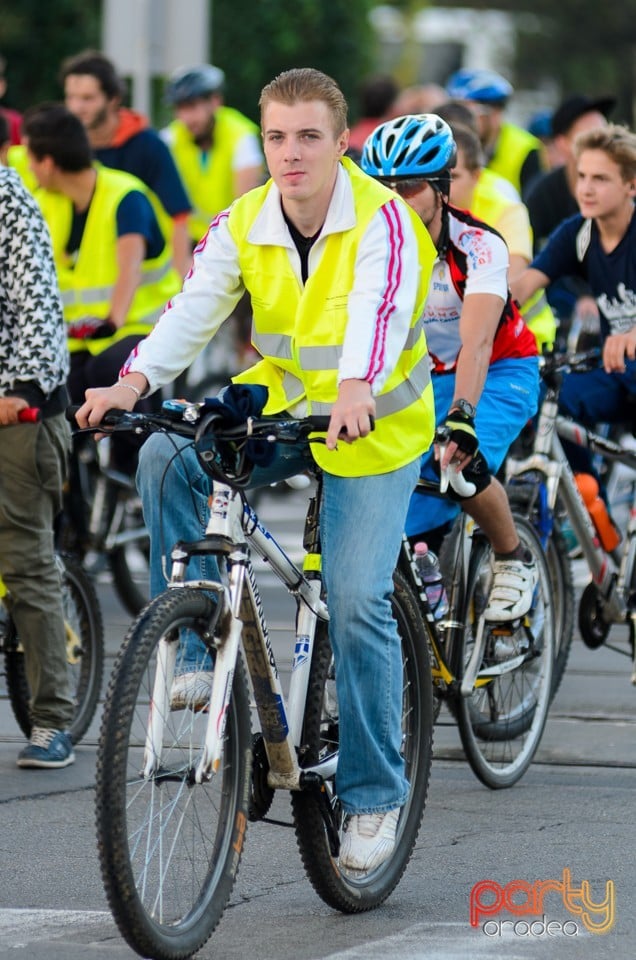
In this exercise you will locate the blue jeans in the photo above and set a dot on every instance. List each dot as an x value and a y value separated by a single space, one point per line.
596 397
509 399
361 525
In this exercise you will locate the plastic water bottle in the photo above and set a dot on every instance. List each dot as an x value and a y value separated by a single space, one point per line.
428 568
607 532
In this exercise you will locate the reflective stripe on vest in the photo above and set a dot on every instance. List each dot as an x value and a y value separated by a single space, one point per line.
395 400
314 358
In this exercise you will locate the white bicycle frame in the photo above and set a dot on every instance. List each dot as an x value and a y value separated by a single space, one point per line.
240 619
612 573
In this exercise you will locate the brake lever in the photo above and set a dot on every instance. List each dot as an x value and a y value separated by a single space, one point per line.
463 488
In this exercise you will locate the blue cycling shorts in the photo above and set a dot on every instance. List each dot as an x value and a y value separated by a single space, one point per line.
509 399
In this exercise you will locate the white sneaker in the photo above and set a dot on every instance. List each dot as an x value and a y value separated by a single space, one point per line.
512 590
368 840
191 690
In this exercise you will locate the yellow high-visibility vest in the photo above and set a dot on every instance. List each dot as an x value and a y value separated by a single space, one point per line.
87 285
209 180
299 332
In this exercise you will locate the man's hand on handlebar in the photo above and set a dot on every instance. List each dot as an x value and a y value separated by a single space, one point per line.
351 414
616 348
10 408
456 441
100 399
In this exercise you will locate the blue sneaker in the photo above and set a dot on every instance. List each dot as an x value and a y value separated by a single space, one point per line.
47 749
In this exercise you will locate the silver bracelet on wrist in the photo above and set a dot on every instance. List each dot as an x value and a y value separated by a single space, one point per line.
130 386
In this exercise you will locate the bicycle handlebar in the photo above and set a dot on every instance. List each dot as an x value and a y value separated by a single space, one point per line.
28 415
192 420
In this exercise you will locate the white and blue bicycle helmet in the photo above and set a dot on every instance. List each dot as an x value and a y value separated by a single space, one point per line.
481 86
417 145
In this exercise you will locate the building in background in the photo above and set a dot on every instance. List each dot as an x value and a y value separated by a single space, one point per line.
148 39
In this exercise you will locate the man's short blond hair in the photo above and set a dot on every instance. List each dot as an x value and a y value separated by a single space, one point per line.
303 84
616 141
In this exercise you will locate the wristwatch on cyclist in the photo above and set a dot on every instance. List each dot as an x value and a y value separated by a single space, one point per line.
464 407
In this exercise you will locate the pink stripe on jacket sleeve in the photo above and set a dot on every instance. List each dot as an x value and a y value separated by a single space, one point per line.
394 268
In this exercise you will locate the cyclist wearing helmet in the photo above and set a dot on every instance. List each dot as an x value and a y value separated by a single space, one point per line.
485 368
510 150
216 149
121 138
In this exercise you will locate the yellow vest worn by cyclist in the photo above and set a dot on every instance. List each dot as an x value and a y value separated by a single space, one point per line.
87 285
512 147
18 160
208 178
299 332
491 206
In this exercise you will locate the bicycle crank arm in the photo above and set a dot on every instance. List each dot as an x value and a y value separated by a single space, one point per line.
472 667
499 669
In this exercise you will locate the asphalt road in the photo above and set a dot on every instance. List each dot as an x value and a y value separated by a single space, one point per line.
570 821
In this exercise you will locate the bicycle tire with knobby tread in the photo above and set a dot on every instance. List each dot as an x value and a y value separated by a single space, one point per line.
84 625
217 851
338 891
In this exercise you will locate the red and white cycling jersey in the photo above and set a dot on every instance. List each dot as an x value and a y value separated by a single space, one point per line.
476 261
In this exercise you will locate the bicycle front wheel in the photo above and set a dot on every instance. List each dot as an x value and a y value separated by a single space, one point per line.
502 721
320 738
84 630
169 847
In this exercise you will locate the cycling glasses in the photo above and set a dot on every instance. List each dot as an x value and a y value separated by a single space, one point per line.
406 188
409 186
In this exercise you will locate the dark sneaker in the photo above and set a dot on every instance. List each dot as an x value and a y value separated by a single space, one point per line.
47 749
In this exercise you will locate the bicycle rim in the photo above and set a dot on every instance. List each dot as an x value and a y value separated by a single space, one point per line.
84 630
320 738
502 721
169 847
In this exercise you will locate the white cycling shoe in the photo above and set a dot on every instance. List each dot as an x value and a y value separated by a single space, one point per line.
512 590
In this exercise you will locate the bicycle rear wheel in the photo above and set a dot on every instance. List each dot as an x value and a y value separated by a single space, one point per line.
129 562
169 847
84 648
502 721
320 738
523 496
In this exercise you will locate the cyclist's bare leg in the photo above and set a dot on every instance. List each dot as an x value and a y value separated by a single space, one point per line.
491 511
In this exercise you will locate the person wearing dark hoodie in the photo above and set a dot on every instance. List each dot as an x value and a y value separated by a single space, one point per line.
123 138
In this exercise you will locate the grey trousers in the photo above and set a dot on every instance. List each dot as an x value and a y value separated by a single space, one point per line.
33 460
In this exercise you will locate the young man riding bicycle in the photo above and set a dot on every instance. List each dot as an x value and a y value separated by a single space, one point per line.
599 245
337 268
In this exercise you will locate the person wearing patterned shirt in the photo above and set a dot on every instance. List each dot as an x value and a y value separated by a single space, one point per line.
33 369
